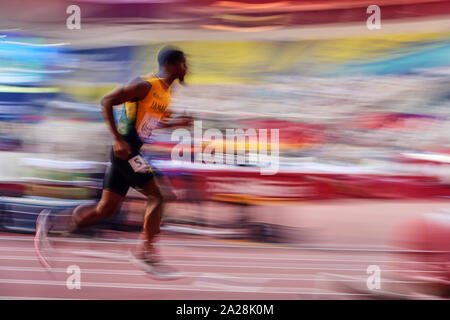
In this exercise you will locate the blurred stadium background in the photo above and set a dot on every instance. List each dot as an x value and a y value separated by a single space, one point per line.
363 118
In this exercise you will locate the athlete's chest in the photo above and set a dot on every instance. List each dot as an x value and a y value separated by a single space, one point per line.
155 102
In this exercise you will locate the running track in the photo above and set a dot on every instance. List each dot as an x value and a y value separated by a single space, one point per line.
214 269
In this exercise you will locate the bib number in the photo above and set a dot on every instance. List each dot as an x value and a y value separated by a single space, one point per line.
147 126
139 164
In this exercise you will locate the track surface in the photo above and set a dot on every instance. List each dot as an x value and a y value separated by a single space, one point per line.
214 269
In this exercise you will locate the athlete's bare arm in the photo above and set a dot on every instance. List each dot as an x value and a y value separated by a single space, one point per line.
134 91
180 121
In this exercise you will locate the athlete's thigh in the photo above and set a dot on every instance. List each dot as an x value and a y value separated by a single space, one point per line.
115 181
141 180
150 189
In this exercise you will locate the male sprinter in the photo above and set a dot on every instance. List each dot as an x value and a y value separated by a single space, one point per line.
146 100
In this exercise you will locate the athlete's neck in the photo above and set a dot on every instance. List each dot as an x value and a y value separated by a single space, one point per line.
162 74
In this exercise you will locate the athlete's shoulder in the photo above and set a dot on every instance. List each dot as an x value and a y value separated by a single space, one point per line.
157 83
139 87
140 82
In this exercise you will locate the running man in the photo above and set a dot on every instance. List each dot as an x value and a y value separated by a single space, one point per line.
145 102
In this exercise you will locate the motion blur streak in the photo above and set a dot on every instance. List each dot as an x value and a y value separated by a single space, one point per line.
364 147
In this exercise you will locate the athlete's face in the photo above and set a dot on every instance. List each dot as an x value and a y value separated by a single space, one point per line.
179 69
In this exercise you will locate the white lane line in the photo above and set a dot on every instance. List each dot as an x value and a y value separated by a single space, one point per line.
36 298
240 276
31 258
93 271
125 259
101 254
118 255
221 264
267 290
74 240
220 244
202 288
226 285
224 245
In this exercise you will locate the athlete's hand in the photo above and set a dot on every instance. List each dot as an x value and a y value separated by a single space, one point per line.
121 149
184 121
181 121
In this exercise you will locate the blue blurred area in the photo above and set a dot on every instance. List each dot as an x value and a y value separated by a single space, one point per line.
25 59
412 60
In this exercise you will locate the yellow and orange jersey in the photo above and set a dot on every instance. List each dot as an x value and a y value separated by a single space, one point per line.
139 118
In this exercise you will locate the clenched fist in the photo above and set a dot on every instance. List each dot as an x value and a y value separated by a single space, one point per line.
121 149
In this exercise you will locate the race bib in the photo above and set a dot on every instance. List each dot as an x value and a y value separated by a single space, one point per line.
139 164
147 126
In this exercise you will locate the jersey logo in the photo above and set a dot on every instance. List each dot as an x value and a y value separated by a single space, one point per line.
160 108
147 126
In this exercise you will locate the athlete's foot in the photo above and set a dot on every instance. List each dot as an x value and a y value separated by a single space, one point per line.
62 225
147 251
148 259
42 244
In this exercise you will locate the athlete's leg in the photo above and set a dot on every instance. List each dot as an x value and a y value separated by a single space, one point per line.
153 212
115 187
146 257
87 215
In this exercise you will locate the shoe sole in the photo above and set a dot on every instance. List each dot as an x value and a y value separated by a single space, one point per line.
148 269
40 238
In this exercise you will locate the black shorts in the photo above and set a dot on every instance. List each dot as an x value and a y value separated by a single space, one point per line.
120 175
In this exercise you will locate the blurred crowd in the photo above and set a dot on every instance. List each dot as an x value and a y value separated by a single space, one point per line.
359 114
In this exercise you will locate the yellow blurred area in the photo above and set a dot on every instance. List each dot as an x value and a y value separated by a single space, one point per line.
91 94
242 62
347 50
14 89
249 146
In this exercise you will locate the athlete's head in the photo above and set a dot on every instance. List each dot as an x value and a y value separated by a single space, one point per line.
173 61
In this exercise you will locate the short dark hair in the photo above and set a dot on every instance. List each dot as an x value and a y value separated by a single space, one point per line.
169 55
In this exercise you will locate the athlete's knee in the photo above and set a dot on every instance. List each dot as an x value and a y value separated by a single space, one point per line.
156 197
105 209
